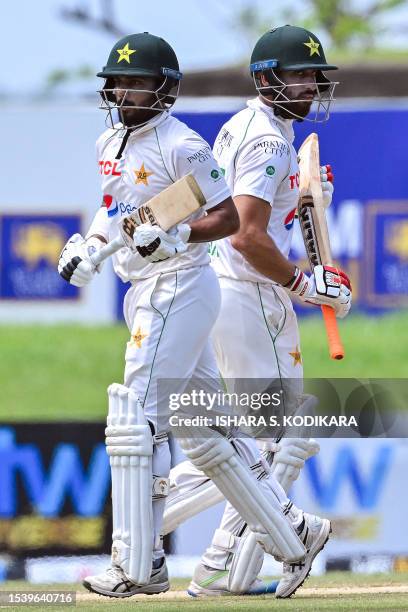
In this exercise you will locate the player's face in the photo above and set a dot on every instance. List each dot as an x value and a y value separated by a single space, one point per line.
300 89
135 92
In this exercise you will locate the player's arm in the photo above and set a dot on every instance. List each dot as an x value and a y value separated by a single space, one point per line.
192 155
221 220
326 285
254 243
254 193
75 264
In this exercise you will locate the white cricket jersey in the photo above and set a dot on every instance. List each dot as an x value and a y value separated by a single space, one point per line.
154 157
254 149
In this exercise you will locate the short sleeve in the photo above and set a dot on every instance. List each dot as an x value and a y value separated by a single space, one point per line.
261 169
192 155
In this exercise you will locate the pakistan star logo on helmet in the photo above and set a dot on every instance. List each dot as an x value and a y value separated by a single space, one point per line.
125 53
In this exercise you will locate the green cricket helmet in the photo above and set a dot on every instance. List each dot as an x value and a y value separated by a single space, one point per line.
291 48
141 55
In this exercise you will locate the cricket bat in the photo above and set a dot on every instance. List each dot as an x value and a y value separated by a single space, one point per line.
312 218
169 207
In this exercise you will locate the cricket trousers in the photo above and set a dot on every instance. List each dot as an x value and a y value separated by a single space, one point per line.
170 317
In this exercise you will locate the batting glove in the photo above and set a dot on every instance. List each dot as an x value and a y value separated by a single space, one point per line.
326 285
326 180
154 244
74 264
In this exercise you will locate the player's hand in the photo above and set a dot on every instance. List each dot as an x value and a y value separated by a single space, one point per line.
326 285
154 244
326 180
75 265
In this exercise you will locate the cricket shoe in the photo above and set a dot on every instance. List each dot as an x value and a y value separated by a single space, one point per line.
209 582
314 533
115 583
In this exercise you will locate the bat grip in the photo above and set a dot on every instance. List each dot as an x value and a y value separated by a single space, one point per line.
107 250
336 349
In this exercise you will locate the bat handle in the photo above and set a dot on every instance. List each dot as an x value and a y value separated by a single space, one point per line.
336 349
107 250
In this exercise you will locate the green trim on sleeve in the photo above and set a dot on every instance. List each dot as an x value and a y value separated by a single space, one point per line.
243 138
161 155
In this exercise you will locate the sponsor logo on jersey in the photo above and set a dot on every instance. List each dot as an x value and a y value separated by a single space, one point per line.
111 204
224 140
290 219
215 175
273 147
107 167
294 181
142 175
269 171
201 155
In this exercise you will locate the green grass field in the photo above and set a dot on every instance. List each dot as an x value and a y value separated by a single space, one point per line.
334 591
62 372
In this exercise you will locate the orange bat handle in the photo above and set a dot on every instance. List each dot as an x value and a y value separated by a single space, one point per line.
336 349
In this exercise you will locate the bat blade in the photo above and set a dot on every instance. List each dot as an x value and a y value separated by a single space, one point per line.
166 209
312 218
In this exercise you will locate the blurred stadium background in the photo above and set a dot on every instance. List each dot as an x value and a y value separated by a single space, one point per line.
61 347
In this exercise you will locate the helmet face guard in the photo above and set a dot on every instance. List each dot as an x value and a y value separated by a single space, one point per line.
276 87
163 99
142 56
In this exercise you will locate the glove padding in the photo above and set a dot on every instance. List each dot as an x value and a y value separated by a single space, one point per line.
326 285
326 180
154 244
290 458
74 264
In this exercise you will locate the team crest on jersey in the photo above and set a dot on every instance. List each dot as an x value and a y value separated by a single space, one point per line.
290 219
297 356
111 205
142 175
138 337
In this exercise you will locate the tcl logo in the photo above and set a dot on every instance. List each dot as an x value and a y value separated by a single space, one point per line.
294 180
107 167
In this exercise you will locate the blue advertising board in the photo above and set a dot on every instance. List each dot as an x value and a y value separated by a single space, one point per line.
368 219
30 245
55 492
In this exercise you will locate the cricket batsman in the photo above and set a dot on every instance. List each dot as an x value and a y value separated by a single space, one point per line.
256 334
170 310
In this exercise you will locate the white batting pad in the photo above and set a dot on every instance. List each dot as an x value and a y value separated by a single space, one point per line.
185 502
257 505
246 563
129 445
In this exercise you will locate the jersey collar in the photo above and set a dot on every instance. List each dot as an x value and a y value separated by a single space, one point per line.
285 126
